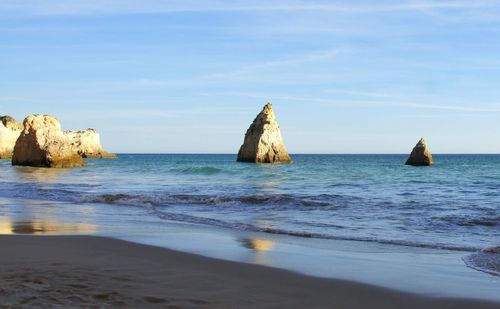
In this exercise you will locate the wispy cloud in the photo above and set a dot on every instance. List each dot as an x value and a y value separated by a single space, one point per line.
286 61
147 82
364 94
457 11
71 7
420 116
489 108
453 4
150 113
458 108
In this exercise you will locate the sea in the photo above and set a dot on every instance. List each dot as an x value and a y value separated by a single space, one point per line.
452 205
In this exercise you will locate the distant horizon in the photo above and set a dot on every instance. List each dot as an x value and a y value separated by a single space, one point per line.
176 76
294 154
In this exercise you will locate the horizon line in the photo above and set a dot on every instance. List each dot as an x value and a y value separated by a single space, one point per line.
304 153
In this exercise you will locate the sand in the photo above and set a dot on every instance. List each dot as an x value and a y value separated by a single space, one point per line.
85 271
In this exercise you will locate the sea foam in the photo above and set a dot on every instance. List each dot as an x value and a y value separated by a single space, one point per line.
486 260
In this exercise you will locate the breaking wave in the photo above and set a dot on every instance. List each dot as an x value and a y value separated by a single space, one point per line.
158 206
213 200
467 221
486 260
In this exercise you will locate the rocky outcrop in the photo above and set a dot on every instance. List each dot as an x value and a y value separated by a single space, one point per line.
420 155
42 143
88 144
263 142
9 132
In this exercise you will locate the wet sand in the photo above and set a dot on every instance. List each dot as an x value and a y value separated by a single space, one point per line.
95 271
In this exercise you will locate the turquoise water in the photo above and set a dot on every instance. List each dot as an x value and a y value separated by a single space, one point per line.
454 204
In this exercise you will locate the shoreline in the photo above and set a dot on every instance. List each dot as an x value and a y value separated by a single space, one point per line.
420 271
73 270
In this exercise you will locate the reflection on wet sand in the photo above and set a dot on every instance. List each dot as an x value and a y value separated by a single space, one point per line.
44 227
259 249
259 245
39 174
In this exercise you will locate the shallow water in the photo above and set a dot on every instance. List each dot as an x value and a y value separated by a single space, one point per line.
454 204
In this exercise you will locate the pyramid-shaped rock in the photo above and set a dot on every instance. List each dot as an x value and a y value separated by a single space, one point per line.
263 142
420 155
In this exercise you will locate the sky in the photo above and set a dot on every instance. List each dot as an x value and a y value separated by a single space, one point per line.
189 76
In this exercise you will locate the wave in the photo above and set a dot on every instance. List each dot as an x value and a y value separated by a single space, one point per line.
213 200
198 170
304 234
468 221
295 209
486 260
324 202
156 206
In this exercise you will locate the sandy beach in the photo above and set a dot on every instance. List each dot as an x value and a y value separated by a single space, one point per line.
96 271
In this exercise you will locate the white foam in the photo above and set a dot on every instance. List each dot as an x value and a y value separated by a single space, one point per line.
486 260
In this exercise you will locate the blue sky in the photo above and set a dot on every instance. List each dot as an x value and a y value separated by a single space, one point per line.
190 76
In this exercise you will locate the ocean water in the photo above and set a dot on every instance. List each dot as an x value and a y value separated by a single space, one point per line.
453 205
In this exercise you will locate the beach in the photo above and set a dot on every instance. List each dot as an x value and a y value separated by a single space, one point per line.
97 271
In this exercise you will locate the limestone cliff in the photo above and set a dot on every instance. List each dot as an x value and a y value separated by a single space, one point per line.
9 132
263 142
88 144
420 155
42 143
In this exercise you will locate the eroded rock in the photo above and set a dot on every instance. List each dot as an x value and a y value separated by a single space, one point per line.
10 129
88 144
42 143
420 155
263 142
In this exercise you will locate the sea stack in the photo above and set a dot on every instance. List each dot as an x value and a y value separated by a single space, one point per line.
263 142
42 143
88 144
420 155
10 129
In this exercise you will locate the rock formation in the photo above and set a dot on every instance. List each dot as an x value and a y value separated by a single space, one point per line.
87 144
420 155
263 142
43 144
9 132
